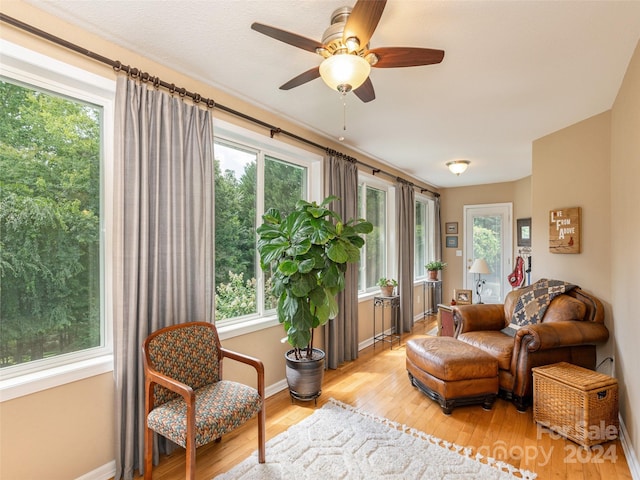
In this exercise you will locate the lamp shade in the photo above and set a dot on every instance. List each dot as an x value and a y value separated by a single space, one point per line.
344 72
480 266
458 166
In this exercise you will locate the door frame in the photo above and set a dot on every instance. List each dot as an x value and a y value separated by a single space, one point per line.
507 244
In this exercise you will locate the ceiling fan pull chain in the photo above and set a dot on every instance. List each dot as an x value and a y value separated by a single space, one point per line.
344 112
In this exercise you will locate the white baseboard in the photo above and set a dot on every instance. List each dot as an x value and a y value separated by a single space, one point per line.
629 451
105 472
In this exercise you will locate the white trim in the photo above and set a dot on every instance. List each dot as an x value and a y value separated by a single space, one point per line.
54 377
105 472
629 451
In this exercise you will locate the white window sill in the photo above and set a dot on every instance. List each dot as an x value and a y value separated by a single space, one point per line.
250 326
54 377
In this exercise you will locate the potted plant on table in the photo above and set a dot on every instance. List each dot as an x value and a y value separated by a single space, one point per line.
386 286
434 267
307 254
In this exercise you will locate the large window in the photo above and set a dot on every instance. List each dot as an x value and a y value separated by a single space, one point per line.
52 274
424 235
249 180
375 201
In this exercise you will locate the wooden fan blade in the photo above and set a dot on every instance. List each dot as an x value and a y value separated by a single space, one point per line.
365 91
363 20
302 78
390 57
287 37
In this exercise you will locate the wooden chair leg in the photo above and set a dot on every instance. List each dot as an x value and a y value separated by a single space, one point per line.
261 434
148 453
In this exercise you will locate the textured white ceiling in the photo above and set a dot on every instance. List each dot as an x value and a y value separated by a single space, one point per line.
513 70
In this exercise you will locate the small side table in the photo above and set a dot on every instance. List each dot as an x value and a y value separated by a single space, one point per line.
392 303
432 295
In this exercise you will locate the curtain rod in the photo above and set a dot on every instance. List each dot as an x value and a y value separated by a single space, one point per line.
183 92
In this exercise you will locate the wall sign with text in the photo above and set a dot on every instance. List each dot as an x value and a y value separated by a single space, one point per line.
564 230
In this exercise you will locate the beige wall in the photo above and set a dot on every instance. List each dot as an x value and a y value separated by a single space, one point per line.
595 164
71 427
60 433
453 201
625 255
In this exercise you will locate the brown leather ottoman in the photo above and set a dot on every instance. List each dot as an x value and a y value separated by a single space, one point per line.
452 372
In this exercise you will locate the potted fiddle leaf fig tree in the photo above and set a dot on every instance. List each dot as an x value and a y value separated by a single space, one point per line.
307 253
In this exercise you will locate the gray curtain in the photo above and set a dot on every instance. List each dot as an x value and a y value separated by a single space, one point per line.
341 333
405 198
163 239
438 227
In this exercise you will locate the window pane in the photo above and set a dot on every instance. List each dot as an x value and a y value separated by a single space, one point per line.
50 275
375 241
420 240
284 185
235 211
487 232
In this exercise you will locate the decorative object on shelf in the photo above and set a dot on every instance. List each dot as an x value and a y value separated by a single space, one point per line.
524 232
458 166
564 230
307 254
434 267
462 297
480 268
452 241
386 286
451 228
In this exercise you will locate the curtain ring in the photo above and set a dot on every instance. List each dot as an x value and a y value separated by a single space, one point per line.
117 66
211 103
196 98
172 89
182 92
156 82
144 77
134 72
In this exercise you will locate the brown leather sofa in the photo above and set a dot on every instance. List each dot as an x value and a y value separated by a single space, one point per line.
571 326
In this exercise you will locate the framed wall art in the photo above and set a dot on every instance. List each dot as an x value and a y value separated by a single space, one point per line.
451 228
452 241
564 230
524 232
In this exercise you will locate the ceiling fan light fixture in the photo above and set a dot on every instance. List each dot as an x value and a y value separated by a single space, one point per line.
344 72
352 44
458 166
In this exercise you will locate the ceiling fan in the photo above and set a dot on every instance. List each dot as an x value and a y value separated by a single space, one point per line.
345 50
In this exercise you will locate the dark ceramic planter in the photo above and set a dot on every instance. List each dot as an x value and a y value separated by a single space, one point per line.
304 376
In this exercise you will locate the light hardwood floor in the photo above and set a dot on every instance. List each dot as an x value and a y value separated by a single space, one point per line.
378 383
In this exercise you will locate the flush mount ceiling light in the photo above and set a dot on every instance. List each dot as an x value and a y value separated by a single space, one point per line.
344 72
458 166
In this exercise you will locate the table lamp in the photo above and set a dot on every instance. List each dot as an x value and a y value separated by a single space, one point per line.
480 267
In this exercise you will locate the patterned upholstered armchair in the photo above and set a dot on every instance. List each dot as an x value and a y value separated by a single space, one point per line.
186 399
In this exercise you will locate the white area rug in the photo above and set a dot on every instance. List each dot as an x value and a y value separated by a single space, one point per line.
339 441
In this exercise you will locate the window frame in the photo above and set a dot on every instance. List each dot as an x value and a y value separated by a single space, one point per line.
39 71
429 253
264 146
391 248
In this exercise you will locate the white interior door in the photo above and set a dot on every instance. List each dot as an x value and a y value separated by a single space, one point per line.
488 234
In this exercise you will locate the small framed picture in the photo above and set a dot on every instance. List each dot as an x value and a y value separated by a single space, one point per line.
452 241
524 232
451 228
462 297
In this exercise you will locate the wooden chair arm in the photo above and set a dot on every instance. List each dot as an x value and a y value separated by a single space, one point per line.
184 390
246 359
